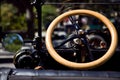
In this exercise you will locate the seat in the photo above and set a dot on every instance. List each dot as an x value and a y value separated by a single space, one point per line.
29 74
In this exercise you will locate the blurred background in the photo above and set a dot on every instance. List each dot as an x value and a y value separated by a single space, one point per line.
20 16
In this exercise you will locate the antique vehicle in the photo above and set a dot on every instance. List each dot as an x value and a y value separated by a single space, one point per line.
78 53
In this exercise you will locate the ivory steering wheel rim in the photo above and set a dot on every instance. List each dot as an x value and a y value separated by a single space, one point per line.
89 65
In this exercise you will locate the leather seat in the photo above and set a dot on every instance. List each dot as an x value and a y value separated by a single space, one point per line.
29 74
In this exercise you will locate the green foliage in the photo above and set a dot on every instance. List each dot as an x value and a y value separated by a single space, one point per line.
12 42
10 20
49 12
13 47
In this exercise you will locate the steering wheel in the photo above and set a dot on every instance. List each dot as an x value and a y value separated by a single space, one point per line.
87 65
